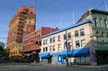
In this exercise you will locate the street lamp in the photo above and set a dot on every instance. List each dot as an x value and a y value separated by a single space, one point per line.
67 48
66 44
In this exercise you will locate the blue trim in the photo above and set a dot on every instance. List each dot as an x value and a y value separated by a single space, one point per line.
44 55
56 54
75 52
79 52
63 53
72 26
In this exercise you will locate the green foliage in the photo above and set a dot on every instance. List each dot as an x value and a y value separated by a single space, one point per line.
2 51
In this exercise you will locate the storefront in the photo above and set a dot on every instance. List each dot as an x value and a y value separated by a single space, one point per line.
80 56
76 56
45 57
102 57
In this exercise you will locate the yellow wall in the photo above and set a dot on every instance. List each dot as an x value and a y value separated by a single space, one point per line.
14 49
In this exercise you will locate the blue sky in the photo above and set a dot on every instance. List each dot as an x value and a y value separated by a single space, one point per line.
51 13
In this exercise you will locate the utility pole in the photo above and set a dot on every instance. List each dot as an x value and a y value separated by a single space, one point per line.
66 43
106 5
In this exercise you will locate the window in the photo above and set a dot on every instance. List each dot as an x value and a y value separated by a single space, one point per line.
25 21
65 36
106 23
46 41
29 29
83 43
43 49
50 48
59 47
59 38
95 22
46 49
77 44
43 42
103 34
29 21
107 34
101 25
25 17
97 33
69 36
76 33
31 13
29 18
81 32
53 47
36 42
51 40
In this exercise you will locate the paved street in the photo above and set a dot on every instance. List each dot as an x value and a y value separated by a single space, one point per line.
48 67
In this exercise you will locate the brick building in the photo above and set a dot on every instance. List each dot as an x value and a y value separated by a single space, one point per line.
32 41
22 23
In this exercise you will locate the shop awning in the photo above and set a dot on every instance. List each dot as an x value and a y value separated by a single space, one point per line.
55 54
64 53
80 52
44 55
75 52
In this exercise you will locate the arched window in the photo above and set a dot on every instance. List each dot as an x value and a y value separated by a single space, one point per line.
95 22
106 23
101 24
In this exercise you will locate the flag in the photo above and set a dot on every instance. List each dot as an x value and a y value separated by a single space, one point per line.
67 45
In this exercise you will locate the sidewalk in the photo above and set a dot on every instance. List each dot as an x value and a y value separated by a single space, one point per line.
82 66
56 65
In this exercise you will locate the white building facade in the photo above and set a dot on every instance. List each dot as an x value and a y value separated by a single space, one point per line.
75 37
82 43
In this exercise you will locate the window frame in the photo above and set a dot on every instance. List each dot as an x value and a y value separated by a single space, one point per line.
106 23
69 35
59 38
65 36
59 47
76 32
83 44
82 33
95 22
77 44
51 40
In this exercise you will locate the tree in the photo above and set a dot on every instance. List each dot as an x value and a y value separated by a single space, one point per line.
2 51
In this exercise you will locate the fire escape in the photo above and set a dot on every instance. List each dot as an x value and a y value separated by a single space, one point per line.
21 25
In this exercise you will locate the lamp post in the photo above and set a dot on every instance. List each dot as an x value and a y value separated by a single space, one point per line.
66 44
68 48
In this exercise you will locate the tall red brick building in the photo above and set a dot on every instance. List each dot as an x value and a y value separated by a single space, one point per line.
32 41
21 24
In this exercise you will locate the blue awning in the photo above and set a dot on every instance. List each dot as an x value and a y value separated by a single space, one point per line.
80 52
44 55
55 54
64 53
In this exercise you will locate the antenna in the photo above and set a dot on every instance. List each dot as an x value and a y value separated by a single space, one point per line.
73 17
105 5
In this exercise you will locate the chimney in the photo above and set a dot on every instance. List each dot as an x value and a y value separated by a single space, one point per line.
57 28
